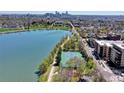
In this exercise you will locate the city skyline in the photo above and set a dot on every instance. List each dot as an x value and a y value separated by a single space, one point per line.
70 12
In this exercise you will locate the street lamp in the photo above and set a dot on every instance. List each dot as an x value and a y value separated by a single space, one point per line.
28 20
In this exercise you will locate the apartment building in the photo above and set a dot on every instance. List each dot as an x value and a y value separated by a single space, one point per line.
103 49
117 54
112 51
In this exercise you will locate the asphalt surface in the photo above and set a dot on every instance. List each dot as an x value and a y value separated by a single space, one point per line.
105 71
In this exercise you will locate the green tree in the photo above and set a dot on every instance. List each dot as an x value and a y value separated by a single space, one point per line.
77 65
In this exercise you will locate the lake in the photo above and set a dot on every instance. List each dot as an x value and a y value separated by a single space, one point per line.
21 53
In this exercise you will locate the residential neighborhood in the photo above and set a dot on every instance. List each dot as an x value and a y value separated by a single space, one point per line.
65 47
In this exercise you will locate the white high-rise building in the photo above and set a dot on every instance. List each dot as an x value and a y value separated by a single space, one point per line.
117 54
112 51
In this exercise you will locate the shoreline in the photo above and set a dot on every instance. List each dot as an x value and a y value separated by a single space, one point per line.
40 36
17 31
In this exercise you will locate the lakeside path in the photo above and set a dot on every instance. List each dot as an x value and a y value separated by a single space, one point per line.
52 71
25 30
14 31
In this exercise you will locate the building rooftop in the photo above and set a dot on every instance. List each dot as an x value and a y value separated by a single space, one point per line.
109 43
121 45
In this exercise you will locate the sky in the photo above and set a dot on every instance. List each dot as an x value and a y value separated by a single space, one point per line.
70 12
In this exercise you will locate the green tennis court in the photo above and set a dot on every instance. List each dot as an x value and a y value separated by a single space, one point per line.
66 56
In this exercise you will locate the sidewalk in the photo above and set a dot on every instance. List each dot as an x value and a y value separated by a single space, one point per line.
53 67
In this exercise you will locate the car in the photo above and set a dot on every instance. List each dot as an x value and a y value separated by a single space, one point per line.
122 74
117 72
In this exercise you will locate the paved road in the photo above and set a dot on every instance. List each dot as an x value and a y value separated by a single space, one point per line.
105 71
52 71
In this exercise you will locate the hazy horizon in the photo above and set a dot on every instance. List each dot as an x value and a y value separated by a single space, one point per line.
70 12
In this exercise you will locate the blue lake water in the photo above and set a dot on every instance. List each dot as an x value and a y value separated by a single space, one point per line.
21 53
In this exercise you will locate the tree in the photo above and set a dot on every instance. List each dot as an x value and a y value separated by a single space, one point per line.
44 66
90 66
77 65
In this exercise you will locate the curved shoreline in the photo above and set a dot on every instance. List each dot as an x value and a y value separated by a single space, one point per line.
17 31
37 35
